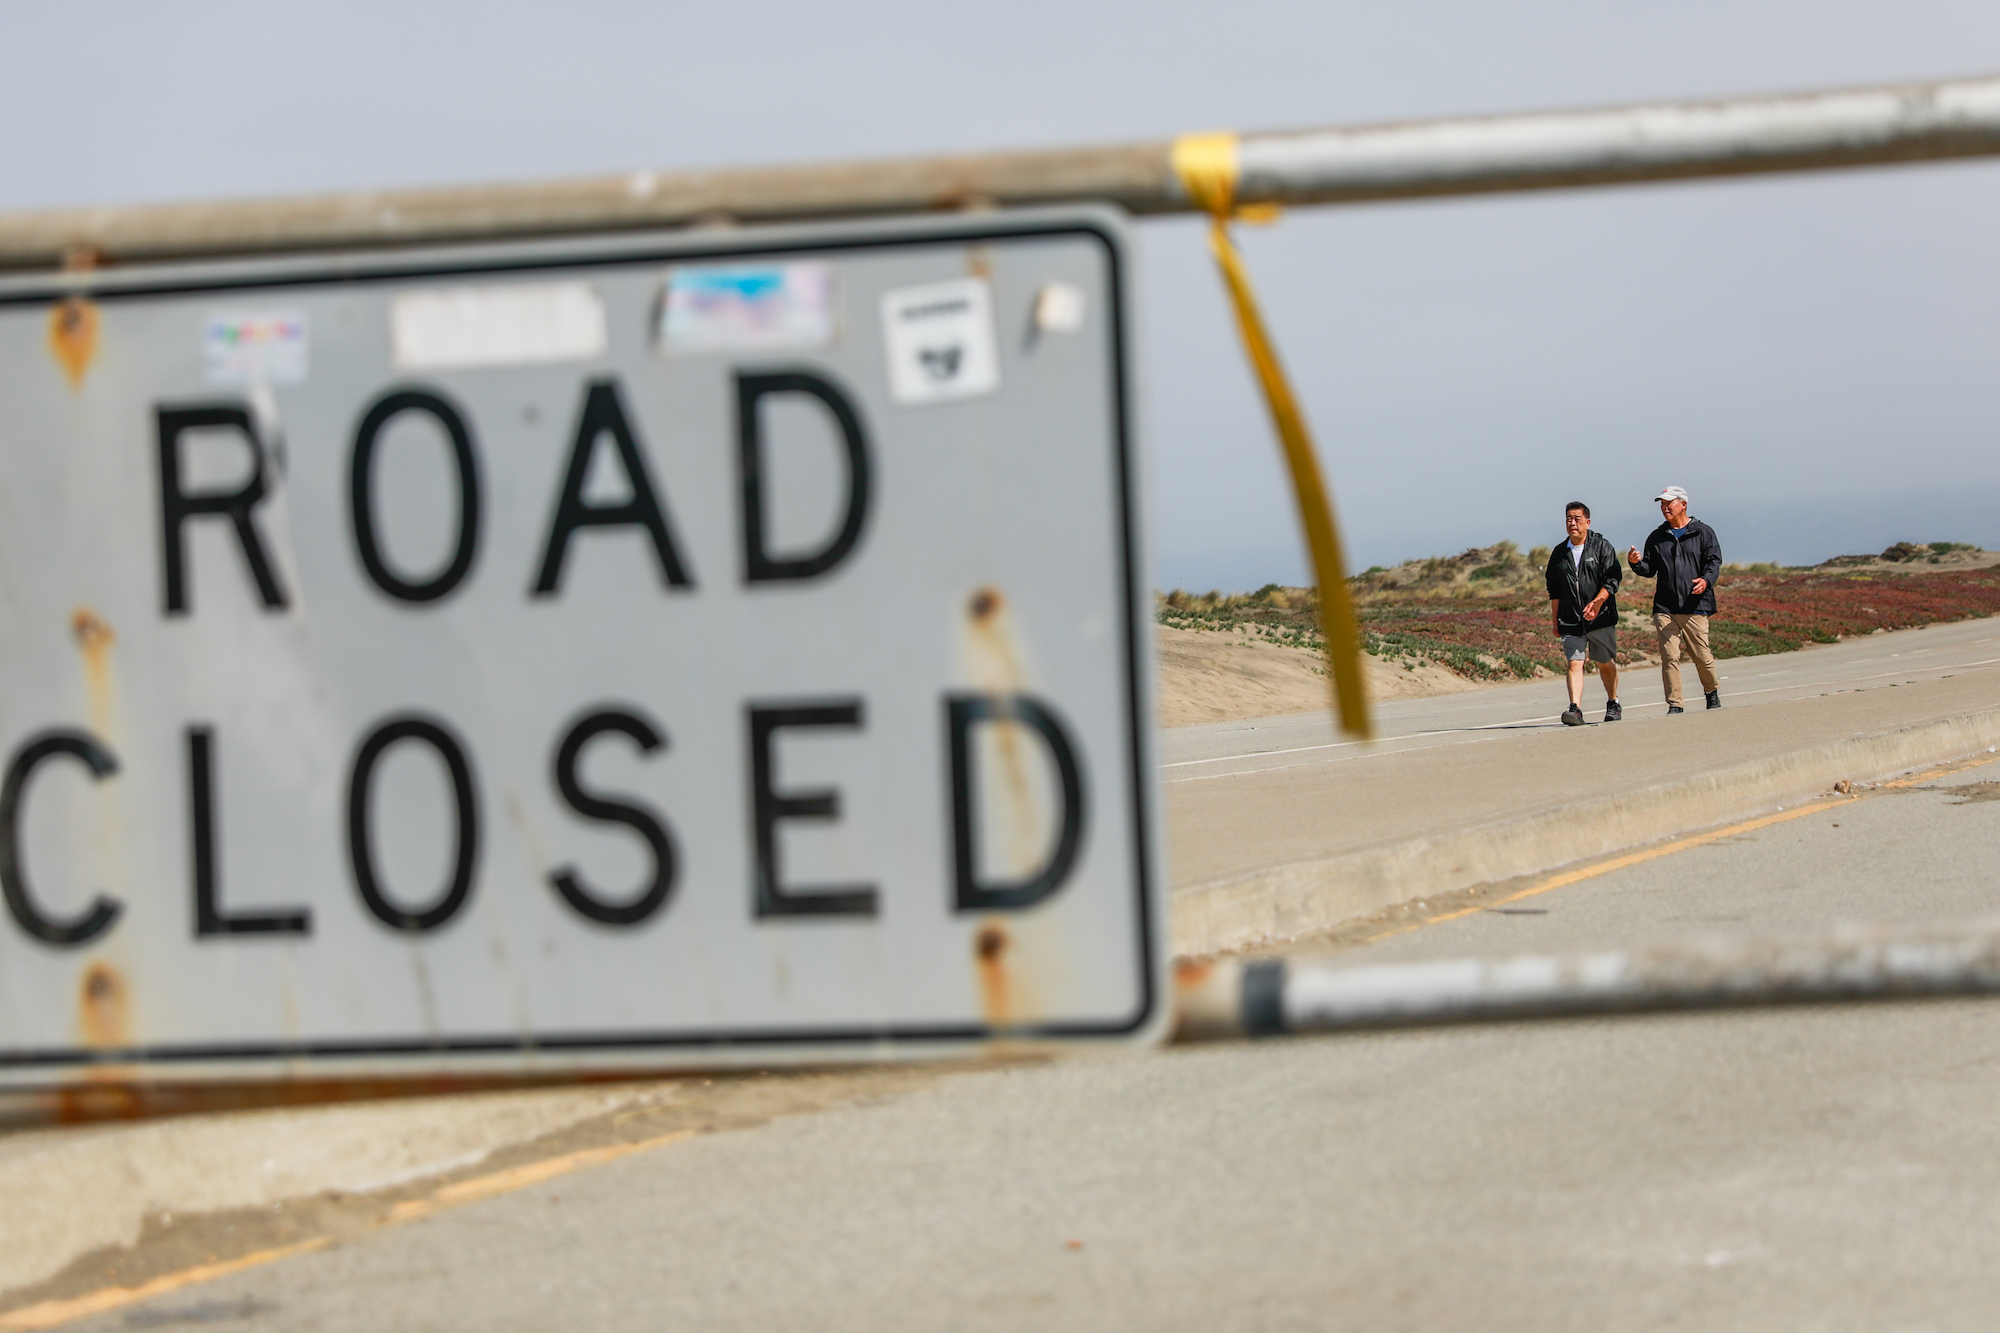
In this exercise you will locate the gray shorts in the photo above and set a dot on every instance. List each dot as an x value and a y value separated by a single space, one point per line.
1600 645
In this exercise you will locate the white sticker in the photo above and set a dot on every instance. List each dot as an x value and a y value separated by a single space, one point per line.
940 341
254 349
763 305
460 327
1059 308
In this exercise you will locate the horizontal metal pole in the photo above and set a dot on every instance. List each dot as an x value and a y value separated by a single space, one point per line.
1270 997
1670 141
1137 176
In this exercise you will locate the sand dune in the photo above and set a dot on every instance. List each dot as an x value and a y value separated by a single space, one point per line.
1223 676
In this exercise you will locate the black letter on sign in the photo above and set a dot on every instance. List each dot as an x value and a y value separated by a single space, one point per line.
209 918
759 565
602 414
361 853
177 506
962 713
768 806
361 496
635 817
103 911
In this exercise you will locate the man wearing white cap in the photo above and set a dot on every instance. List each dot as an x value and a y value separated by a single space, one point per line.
1685 557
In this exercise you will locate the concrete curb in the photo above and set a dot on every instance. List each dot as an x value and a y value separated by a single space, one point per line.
1284 902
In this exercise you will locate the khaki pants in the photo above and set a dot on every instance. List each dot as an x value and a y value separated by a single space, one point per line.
1675 631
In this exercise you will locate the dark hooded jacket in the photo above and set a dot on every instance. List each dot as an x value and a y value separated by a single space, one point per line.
1677 562
1573 583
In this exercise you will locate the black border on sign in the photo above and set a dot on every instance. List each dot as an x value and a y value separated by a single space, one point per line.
346 270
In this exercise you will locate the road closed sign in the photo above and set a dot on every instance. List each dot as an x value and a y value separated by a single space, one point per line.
613 654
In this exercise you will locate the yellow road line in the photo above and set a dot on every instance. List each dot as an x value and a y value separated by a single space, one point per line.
1569 877
519 1177
49 1314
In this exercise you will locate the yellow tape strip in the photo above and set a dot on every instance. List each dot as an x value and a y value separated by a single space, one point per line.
1207 167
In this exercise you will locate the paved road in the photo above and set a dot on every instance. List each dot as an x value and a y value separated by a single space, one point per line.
1233 821
1900 855
1829 1168
1225 748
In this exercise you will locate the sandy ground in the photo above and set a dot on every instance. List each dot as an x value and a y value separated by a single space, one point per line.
1211 676
1226 676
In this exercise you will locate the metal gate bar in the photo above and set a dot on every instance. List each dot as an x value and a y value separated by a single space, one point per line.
1266 997
1553 150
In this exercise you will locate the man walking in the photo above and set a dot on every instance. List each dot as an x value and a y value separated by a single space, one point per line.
1583 577
1685 557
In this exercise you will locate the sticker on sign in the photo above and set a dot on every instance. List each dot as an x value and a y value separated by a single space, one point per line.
506 697
715 308
254 349
940 342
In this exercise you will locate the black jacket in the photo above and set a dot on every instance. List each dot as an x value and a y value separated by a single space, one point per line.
1573 583
1678 562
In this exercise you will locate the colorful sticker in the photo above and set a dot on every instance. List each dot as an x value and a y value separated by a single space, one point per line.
254 349
764 305
940 341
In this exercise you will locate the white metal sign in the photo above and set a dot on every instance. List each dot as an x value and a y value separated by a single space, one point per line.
598 655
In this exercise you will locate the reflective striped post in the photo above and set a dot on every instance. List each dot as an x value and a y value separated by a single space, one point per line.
1230 998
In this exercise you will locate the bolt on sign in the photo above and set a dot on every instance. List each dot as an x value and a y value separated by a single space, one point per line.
612 654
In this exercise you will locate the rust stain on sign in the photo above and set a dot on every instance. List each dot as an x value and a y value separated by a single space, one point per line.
995 991
995 666
73 325
94 637
104 1008
1192 973
1011 974
86 1103
104 1022
115 1092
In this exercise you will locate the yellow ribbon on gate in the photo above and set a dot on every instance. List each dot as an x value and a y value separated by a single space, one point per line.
1207 167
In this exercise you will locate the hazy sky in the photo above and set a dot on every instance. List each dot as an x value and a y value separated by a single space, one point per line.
1813 357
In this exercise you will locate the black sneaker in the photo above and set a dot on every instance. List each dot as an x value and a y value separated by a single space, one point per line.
1714 698
1675 708
1612 712
1573 716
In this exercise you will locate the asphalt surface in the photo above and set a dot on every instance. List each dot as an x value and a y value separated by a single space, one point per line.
1220 749
1824 1168
1900 855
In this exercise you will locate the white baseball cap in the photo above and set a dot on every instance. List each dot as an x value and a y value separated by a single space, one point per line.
1672 493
